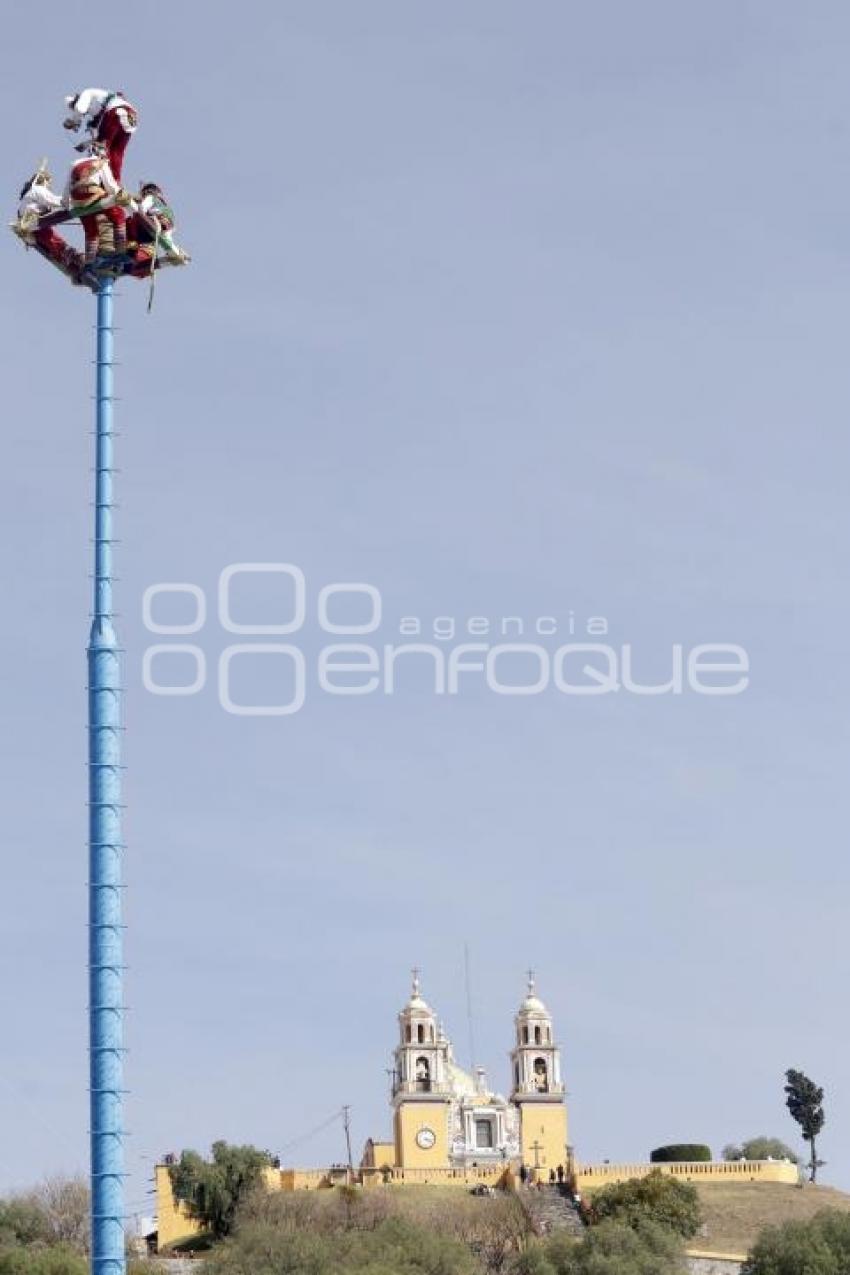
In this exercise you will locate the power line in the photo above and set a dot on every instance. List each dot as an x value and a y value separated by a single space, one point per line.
311 1133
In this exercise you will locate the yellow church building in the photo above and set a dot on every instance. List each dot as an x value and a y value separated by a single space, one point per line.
447 1121
450 1128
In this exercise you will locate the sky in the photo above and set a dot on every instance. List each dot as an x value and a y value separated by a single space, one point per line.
503 311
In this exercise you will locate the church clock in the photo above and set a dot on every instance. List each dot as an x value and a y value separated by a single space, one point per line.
426 1138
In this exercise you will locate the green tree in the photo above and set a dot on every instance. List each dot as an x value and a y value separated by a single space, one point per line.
613 1248
54 1212
22 1222
761 1148
213 1189
820 1246
804 1100
656 1198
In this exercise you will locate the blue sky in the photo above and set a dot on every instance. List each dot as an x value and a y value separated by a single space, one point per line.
504 310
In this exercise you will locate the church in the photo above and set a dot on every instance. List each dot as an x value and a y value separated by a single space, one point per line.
449 1128
446 1120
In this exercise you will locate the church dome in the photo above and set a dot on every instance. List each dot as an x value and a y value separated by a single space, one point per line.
416 1004
532 1006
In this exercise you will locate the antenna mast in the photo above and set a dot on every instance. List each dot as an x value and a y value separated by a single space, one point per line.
470 1022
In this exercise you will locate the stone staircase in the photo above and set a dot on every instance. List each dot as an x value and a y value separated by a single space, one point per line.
550 1208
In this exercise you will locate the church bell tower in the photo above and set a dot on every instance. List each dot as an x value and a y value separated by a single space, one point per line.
538 1089
421 1087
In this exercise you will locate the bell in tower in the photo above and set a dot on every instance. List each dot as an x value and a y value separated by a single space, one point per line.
536 1058
421 1054
538 1089
421 1086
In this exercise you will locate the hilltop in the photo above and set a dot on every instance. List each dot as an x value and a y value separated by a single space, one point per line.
735 1213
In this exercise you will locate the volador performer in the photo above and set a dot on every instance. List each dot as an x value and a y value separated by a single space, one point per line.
108 117
149 229
37 200
123 234
94 195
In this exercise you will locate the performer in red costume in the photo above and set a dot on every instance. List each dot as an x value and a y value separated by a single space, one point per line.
38 199
94 195
150 233
108 117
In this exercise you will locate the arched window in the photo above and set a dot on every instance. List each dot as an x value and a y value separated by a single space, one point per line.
548 1035
423 1075
431 1033
420 1034
516 1074
541 1075
407 1033
537 1036
525 1034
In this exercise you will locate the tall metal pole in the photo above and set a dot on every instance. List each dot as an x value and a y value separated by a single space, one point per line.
106 969
346 1120
472 1058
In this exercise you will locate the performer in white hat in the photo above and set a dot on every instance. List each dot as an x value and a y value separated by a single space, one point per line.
108 117
38 199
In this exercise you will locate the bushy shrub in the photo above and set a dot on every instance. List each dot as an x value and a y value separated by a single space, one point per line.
54 1212
681 1152
532 1262
615 1249
59 1260
394 1247
22 1222
656 1198
761 1148
493 1228
820 1246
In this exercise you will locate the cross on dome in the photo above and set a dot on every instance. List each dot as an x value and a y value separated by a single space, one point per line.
532 1004
416 1003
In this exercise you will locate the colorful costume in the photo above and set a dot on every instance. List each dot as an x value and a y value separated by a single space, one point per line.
94 195
149 232
38 199
108 117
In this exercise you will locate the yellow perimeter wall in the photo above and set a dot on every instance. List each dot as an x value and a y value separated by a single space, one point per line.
591 1176
378 1154
175 1225
173 1222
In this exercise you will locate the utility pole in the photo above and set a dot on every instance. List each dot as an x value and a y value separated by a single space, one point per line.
346 1120
392 1077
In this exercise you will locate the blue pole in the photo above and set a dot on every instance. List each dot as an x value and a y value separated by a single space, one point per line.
106 970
